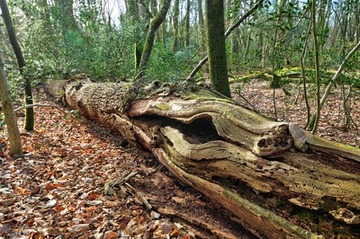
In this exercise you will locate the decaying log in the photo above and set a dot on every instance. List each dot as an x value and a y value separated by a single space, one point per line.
275 178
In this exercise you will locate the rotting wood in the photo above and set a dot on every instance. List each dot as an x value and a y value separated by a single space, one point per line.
276 179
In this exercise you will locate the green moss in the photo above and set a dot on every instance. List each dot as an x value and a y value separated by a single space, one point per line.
247 78
334 145
286 71
304 215
280 202
203 94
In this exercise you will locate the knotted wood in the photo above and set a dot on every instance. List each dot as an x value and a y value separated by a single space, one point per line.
276 179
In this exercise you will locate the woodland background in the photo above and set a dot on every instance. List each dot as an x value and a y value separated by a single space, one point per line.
62 38
66 37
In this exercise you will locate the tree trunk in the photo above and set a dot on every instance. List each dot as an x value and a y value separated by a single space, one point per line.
357 23
187 24
10 118
215 31
317 67
201 26
175 43
276 179
227 33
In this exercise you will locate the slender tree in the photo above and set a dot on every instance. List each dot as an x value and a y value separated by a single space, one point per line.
187 24
215 32
274 54
317 67
227 33
234 38
10 118
303 75
29 116
201 25
150 37
175 43
338 73
357 22
133 14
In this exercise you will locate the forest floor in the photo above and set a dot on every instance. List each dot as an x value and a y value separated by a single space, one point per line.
58 189
258 95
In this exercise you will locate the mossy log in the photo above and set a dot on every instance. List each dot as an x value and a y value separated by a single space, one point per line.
268 75
294 74
274 178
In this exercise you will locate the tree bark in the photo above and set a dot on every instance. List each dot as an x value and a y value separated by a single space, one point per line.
201 26
317 67
10 117
276 179
187 24
175 43
215 30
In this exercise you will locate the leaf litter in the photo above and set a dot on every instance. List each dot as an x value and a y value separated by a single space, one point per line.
72 183
292 108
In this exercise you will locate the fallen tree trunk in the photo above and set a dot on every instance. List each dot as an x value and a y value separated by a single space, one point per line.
276 179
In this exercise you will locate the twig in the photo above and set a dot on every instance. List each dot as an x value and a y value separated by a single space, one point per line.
140 196
246 100
40 105
109 187
347 111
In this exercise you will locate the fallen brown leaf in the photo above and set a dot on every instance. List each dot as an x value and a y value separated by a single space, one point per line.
110 235
52 186
22 191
